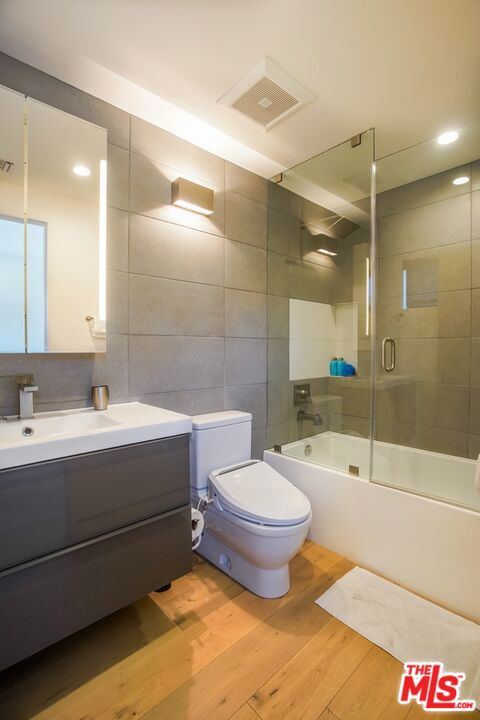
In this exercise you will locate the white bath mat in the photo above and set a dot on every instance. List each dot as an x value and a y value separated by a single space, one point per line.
405 625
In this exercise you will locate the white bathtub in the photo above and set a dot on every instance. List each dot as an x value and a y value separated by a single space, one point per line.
443 477
427 546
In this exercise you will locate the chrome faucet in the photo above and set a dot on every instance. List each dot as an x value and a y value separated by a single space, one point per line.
26 388
317 418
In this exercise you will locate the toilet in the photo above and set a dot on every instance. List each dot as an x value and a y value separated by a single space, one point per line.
255 519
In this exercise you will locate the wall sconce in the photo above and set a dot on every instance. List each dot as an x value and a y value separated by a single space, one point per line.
190 196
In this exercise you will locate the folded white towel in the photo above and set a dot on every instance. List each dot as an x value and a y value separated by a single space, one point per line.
477 475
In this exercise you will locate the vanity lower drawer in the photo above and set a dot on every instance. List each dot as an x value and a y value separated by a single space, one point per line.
48 599
52 505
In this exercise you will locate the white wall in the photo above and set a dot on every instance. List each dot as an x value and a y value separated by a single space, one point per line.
319 332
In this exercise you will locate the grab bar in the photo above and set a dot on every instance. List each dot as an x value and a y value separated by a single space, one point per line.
388 367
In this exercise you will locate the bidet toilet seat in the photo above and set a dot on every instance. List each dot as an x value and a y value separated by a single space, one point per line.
255 492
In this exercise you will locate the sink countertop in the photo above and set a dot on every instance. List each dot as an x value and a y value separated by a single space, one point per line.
74 432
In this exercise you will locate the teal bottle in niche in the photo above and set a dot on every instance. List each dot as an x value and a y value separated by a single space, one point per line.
340 366
334 366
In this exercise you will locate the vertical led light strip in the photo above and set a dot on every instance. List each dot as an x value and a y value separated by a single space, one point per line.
367 297
404 290
102 244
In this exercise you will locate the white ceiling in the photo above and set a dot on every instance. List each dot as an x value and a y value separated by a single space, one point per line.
408 68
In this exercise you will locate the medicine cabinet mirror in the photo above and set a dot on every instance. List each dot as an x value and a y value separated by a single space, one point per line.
53 194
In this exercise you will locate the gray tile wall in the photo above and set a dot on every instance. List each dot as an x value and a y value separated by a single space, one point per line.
188 296
197 306
430 227
296 270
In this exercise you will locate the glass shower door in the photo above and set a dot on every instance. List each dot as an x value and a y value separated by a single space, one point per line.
427 383
318 302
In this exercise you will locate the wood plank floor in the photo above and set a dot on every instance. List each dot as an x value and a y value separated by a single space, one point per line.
210 650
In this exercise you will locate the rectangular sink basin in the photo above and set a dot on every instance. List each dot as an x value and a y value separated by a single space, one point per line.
52 435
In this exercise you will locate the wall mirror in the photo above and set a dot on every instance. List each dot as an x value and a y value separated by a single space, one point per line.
53 195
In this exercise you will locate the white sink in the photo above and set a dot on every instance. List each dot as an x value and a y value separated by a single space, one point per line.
52 435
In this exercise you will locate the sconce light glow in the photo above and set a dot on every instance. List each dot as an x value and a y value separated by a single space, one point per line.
461 180
324 251
191 196
81 170
447 137
102 244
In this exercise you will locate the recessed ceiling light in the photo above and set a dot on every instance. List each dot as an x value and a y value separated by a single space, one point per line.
81 170
461 180
326 252
447 137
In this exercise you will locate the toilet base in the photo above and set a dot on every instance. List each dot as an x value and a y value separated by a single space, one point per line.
262 582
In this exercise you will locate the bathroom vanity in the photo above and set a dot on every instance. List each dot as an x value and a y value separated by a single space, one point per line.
94 514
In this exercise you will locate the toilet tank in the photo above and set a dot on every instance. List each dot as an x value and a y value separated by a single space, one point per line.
218 439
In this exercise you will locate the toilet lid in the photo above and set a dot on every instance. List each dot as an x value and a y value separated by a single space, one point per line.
258 493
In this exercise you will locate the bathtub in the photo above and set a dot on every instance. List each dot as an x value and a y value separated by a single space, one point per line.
443 477
429 546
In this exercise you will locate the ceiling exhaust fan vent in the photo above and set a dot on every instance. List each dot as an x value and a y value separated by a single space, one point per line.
266 94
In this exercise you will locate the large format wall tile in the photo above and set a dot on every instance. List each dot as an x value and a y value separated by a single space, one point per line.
441 223
446 268
476 312
279 231
117 240
117 303
187 159
474 422
246 183
245 220
62 378
279 401
278 274
245 314
151 193
172 251
449 317
245 361
248 398
278 316
442 406
476 215
475 364
166 364
189 402
421 192
171 307
37 84
308 281
245 267
278 359
439 360
117 190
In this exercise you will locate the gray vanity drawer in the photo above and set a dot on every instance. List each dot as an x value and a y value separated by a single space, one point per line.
52 505
55 596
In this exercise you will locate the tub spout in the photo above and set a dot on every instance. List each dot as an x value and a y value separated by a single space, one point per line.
316 417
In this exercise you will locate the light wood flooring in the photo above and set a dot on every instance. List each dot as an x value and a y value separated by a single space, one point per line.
210 650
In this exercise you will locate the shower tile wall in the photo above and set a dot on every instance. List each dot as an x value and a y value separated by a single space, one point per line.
430 230
296 270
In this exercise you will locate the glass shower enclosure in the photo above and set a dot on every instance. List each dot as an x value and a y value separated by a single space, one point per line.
381 282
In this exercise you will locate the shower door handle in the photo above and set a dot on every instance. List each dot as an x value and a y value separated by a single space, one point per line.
390 366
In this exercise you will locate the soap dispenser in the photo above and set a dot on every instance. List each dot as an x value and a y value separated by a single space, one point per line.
340 366
334 366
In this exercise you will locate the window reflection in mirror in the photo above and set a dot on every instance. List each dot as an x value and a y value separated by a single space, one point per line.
12 290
